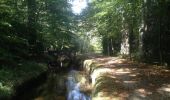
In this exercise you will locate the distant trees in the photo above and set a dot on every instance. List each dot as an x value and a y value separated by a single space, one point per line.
137 28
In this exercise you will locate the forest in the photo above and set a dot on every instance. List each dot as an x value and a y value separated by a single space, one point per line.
39 37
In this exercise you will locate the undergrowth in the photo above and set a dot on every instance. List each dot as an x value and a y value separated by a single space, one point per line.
10 78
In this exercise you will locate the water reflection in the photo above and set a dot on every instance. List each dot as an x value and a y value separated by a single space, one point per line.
74 87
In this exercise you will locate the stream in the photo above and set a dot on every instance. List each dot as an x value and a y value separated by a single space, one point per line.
72 85
77 85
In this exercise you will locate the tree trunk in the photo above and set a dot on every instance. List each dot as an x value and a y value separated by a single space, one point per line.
32 26
125 40
142 30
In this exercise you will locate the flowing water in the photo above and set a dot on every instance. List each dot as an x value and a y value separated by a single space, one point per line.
72 85
77 86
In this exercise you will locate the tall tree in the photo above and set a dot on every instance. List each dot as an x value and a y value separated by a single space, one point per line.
32 11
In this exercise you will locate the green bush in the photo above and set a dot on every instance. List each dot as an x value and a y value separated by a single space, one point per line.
11 78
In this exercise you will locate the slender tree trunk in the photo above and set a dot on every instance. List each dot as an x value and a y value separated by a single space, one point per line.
142 29
125 39
108 47
130 41
32 25
112 47
161 15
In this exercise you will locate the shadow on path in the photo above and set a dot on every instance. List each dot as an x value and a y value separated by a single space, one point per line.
115 78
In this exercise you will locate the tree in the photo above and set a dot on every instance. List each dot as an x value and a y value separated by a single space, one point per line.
139 27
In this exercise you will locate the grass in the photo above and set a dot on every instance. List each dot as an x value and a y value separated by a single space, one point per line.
10 78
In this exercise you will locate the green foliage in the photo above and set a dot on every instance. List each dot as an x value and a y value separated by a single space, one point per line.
27 29
11 78
144 22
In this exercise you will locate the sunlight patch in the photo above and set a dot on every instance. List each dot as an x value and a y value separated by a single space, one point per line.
106 98
143 92
100 72
132 82
165 89
133 75
122 71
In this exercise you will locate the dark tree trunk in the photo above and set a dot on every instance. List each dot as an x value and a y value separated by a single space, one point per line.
32 25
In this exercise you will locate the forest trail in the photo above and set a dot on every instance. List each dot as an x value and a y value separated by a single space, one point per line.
119 79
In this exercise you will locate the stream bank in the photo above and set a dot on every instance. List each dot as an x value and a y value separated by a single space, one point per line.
71 84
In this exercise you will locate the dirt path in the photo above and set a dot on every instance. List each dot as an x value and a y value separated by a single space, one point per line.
118 79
